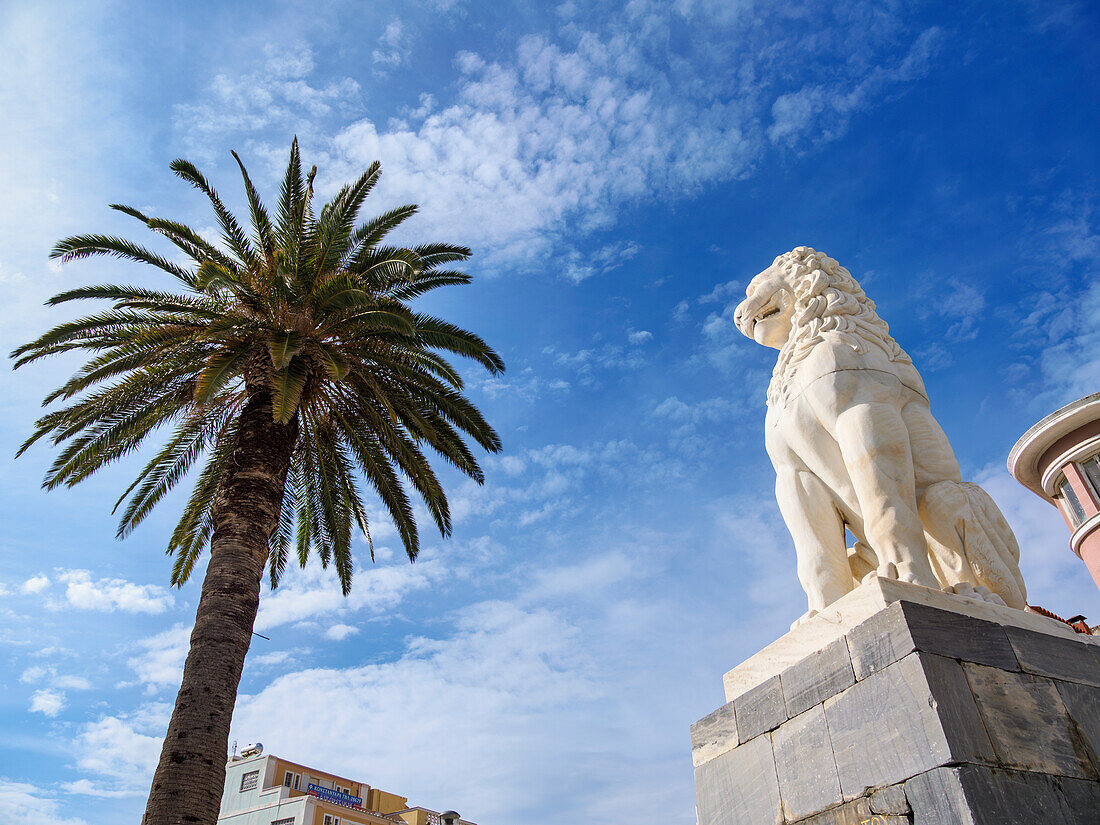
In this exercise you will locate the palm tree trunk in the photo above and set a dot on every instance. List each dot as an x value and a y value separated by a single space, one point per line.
187 785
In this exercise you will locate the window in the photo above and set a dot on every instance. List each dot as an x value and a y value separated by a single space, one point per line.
292 780
331 820
1091 469
249 781
1071 503
288 821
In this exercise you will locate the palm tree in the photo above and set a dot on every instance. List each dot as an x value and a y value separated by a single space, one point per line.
291 363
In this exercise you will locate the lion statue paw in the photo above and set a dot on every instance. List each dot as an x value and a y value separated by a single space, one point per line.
805 617
981 592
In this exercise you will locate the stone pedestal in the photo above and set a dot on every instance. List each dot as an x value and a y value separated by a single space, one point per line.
902 704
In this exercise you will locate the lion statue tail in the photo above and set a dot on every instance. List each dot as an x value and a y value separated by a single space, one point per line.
970 541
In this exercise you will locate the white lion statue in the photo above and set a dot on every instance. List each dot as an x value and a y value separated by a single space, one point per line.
855 447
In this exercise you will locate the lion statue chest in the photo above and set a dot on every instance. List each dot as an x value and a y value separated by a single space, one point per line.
807 401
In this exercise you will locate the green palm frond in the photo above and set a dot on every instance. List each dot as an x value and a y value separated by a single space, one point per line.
86 246
308 312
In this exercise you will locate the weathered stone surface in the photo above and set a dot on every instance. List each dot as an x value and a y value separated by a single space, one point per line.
1082 798
817 677
740 786
915 715
979 795
890 800
1083 704
954 703
857 812
804 764
713 735
852 610
761 709
907 626
1067 659
1028 723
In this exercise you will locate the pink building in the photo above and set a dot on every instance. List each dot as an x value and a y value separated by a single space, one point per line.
1059 459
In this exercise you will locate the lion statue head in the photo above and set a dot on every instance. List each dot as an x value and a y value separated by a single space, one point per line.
802 297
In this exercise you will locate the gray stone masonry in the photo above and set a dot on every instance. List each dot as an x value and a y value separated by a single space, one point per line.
713 735
907 626
808 781
761 709
918 715
817 677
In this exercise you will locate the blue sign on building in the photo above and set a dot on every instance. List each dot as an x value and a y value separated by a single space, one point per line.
329 795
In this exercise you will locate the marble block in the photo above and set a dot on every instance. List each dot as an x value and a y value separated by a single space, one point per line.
928 709
866 601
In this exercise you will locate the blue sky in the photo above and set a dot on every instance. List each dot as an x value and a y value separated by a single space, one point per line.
621 171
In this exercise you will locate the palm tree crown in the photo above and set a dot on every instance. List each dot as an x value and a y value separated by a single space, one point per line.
308 309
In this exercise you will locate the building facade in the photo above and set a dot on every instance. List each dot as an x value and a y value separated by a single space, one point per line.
1059 460
263 789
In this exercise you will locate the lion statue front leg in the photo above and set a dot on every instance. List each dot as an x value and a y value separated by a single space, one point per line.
810 513
862 412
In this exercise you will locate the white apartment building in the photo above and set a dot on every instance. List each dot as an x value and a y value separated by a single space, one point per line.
264 789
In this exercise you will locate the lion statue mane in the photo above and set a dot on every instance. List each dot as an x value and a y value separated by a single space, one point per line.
856 448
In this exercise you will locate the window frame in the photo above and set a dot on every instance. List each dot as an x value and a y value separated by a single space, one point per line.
245 777
296 785
1070 502
1092 478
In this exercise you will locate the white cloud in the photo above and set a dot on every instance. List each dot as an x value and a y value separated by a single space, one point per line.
711 410
273 659
38 673
314 592
510 464
953 309
122 749
542 147
109 595
524 385
25 804
35 673
159 662
394 45
48 702
823 112
724 346
588 579
589 361
339 632
581 266
35 584
1071 363
86 787
722 292
275 94
546 139
71 683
